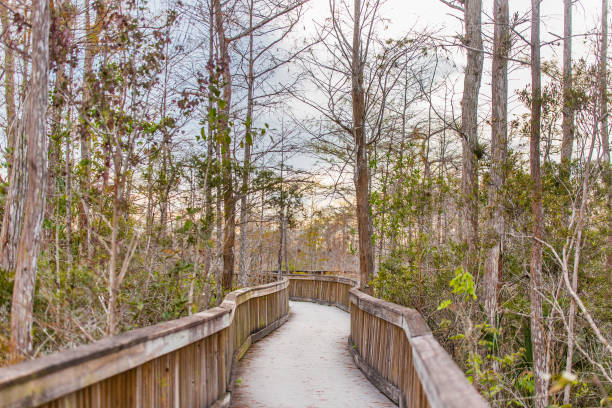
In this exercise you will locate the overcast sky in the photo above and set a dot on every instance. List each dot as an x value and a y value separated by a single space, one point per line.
433 15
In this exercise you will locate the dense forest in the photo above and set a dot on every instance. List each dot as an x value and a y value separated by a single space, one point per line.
157 155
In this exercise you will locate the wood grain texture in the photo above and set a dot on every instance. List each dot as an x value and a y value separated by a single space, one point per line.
392 345
395 343
182 363
329 290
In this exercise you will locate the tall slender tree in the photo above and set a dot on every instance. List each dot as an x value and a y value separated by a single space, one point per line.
33 127
16 149
568 110
223 133
362 169
499 132
244 215
603 113
469 128
9 80
538 339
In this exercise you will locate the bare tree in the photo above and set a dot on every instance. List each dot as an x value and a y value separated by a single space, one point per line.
362 169
538 339
355 93
262 61
33 127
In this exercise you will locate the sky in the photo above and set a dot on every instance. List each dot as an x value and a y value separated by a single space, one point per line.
433 15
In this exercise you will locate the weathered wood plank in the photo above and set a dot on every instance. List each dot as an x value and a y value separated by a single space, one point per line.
185 362
409 319
386 387
443 382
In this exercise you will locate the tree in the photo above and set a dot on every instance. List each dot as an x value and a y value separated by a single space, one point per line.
362 169
16 149
538 340
568 111
356 82
263 59
223 134
605 139
33 128
469 128
499 131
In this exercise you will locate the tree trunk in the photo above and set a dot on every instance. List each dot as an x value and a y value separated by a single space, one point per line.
286 238
9 84
229 205
603 109
281 241
84 184
15 201
540 363
469 129
16 152
244 215
113 286
499 132
33 128
362 169
568 111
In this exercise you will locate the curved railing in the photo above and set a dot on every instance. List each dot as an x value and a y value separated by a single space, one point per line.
393 346
182 363
328 290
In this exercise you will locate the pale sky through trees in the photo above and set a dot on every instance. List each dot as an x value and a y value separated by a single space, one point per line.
403 16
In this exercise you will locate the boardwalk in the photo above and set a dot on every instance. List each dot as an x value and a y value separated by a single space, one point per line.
305 363
296 357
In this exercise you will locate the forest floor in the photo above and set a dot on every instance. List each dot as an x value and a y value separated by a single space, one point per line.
305 363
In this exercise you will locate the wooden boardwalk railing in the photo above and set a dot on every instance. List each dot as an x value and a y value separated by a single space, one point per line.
181 363
327 290
393 346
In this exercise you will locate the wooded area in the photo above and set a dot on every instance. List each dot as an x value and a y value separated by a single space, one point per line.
158 155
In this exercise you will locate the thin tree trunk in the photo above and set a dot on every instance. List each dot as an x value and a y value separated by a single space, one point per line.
229 205
84 180
15 201
114 280
166 155
568 110
499 132
540 363
54 144
286 239
33 128
68 183
9 84
281 241
469 130
244 215
112 267
603 109
362 169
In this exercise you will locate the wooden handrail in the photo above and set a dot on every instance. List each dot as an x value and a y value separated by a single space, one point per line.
324 289
184 362
393 346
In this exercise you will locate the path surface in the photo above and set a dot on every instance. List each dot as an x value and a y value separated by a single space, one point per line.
305 363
